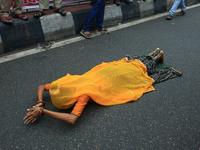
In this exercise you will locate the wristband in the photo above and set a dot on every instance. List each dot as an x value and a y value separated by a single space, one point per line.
41 111
43 104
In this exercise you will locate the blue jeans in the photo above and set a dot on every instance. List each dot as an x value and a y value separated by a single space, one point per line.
97 11
175 5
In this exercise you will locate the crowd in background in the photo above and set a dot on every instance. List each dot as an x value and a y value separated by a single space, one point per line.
96 12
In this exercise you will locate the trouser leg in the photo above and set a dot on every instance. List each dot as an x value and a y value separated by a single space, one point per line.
92 14
5 8
183 7
17 7
57 3
149 62
100 14
163 75
44 4
174 7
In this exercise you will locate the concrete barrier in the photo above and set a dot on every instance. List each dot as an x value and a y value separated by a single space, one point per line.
56 26
21 34
146 8
113 15
130 12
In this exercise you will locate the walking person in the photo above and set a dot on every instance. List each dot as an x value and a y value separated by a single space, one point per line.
174 7
5 11
107 84
96 12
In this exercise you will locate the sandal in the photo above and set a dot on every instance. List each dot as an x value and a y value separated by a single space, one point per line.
102 31
38 14
21 16
6 20
169 17
60 11
86 35
181 13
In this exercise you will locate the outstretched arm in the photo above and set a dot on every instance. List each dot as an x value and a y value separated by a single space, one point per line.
35 112
69 118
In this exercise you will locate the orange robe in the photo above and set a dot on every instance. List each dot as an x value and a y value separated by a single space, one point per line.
107 84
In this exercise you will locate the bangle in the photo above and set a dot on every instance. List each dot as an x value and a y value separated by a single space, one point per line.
43 104
41 111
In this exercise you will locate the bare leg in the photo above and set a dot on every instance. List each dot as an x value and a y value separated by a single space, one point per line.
152 53
160 57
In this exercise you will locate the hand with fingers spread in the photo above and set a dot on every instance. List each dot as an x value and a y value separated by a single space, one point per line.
33 114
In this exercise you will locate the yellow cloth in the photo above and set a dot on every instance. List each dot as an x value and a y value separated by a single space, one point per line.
107 84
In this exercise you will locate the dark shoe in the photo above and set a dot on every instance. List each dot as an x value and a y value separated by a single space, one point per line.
6 20
60 11
169 17
181 13
38 14
21 16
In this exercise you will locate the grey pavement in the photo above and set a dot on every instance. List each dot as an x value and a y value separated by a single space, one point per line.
165 119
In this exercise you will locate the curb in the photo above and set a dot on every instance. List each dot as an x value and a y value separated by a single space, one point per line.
22 34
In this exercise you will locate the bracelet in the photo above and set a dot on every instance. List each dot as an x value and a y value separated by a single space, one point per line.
43 104
41 112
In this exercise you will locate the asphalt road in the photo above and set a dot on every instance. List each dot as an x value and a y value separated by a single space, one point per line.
166 119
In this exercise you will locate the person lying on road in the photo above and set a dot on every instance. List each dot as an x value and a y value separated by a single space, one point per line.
107 84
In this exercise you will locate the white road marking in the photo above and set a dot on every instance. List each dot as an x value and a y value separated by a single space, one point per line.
9 57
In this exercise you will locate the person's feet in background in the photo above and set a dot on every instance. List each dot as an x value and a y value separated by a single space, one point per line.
6 19
174 7
169 17
96 13
44 5
117 2
5 11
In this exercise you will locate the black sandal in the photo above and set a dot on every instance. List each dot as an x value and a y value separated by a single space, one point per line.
38 14
60 11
